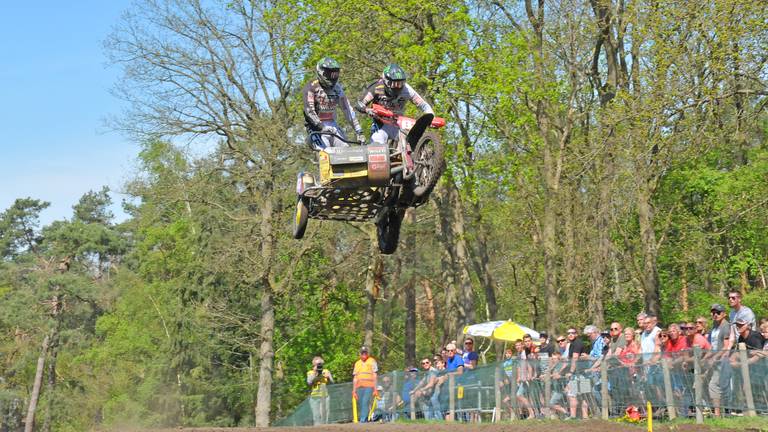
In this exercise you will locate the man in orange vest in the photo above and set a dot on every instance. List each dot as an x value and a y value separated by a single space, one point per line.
364 383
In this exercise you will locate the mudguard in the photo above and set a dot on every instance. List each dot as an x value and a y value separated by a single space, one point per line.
418 128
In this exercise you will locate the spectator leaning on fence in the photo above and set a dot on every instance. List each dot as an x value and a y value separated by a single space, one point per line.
525 374
641 320
754 344
557 368
739 312
425 389
386 408
720 340
701 327
695 339
618 342
578 385
648 337
764 332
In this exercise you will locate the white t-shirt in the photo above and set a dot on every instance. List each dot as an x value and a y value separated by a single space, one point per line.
648 342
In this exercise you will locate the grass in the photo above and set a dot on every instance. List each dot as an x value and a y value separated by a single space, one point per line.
759 423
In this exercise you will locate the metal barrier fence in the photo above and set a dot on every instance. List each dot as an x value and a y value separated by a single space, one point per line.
691 383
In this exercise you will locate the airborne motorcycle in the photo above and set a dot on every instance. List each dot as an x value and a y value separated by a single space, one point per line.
374 181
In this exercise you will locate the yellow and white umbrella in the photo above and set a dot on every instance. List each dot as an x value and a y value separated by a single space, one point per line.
500 330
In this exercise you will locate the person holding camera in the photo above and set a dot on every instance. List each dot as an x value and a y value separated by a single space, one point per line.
317 379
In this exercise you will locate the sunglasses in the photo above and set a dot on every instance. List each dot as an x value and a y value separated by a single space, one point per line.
717 313
425 362
561 340
732 297
468 343
614 329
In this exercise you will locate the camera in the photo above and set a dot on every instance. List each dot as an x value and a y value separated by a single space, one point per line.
319 367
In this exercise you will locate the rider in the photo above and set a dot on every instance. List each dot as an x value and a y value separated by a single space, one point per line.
392 92
321 97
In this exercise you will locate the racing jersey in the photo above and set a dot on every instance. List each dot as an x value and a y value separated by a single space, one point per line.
376 93
320 106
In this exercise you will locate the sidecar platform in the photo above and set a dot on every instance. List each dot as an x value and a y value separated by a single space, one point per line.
357 205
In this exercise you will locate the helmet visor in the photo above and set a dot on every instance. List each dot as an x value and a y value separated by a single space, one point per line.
397 84
331 74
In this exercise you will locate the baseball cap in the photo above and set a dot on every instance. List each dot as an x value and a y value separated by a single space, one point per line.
740 321
364 349
543 335
717 307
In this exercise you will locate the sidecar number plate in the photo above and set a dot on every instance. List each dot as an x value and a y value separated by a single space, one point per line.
377 158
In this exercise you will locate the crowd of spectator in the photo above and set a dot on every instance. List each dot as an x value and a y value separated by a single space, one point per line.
563 376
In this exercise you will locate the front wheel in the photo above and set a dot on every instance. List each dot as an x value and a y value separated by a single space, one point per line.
300 219
388 232
428 156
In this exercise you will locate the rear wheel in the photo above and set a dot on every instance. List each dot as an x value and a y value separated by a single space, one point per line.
388 232
300 218
430 163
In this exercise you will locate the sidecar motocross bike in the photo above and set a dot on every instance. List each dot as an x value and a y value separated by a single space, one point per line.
374 181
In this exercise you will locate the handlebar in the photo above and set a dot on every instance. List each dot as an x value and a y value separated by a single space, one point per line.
333 135
379 111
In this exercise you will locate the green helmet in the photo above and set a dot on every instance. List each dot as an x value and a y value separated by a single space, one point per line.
394 78
327 72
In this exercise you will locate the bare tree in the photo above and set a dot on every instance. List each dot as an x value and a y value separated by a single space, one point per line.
227 71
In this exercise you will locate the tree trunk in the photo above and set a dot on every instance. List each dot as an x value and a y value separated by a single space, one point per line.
443 222
461 262
550 264
410 324
648 238
51 385
54 348
264 392
266 351
410 297
35 396
431 314
373 280
482 264
389 296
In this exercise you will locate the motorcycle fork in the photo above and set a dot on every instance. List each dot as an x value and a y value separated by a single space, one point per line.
405 150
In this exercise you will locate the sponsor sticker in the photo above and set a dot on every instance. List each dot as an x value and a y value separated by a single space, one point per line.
377 158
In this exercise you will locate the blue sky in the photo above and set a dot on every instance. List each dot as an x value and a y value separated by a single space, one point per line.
54 96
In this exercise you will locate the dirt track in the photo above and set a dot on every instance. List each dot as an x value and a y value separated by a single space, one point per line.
535 426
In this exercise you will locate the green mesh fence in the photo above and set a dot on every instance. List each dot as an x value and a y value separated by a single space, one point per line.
682 384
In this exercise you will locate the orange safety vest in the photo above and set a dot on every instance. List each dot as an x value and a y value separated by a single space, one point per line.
364 372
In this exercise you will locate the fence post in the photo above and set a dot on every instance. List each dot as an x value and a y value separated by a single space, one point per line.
496 383
698 384
548 390
393 412
413 408
604 386
743 359
513 390
452 396
668 395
